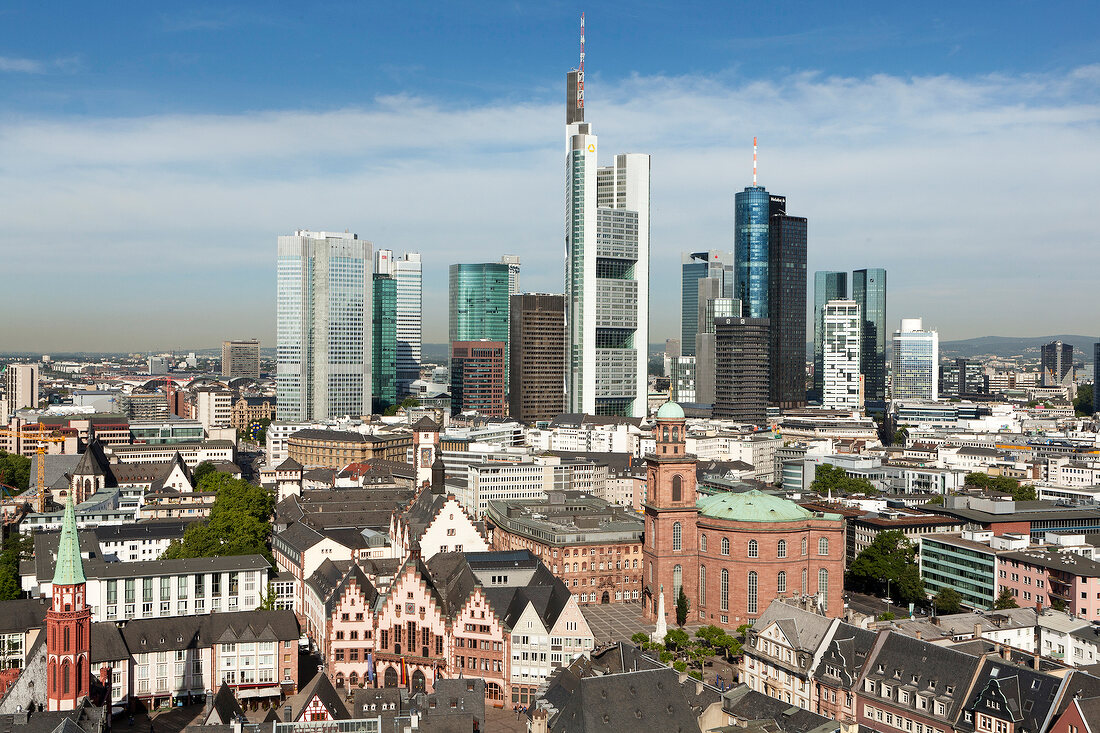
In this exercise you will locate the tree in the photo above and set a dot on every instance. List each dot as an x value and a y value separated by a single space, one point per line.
682 607
239 522
640 638
677 639
1001 484
948 601
888 616
1007 600
936 501
15 470
267 599
888 564
201 471
900 436
828 478
16 547
1082 404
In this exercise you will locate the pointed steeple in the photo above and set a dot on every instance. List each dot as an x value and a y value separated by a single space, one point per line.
69 569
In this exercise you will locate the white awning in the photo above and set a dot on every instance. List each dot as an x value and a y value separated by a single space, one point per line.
260 692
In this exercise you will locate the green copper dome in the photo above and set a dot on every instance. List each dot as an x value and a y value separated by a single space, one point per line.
670 411
752 506
69 569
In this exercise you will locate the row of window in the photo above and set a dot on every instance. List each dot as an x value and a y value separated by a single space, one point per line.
754 546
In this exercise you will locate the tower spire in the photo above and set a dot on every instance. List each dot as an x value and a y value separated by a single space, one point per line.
580 77
69 569
754 161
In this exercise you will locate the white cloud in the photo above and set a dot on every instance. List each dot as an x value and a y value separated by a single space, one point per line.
23 66
977 194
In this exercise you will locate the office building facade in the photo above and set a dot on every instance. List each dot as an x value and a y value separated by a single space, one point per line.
407 272
962 378
607 270
1057 364
536 340
869 291
21 386
741 369
842 337
752 210
712 304
694 267
384 342
787 306
479 302
323 326
1095 378
827 286
478 377
512 262
916 358
241 359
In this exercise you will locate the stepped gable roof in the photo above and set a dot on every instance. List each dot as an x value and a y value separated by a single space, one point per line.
107 644
1025 694
621 703
225 709
289 465
331 578
846 652
421 512
759 712
453 580
320 687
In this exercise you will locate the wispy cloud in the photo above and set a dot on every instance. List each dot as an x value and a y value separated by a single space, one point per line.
24 66
976 189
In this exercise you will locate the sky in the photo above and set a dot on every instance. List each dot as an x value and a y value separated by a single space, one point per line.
151 153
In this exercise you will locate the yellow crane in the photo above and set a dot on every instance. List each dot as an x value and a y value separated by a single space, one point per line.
43 436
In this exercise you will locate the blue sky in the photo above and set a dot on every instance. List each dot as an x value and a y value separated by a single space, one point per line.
151 153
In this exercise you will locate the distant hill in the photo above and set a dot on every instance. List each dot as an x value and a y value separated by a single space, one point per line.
1006 346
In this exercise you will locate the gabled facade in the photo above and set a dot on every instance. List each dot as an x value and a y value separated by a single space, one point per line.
410 631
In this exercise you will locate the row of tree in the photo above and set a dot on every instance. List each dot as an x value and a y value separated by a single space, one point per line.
685 652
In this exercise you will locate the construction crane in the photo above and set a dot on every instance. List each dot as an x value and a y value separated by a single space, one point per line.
43 436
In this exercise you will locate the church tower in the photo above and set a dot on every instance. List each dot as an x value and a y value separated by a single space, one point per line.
670 554
425 450
68 622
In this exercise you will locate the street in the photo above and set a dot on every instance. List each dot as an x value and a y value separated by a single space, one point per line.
873 606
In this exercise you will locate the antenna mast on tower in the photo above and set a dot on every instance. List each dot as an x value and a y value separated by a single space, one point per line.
580 76
754 162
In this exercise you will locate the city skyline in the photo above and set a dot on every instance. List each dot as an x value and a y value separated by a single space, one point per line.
900 160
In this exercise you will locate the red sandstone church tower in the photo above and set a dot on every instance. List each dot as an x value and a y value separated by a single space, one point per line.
68 623
670 555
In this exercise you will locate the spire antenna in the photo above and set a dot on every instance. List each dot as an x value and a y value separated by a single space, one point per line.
580 77
753 161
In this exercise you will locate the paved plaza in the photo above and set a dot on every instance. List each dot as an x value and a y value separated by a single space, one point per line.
615 621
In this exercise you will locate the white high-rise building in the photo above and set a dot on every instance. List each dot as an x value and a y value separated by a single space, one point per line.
842 338
407 271
20 387
323 326
916 359
513 273
607 270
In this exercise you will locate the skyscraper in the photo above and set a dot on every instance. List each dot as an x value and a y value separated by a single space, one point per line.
606 271
741 370
323 326
407 272
512 261
477 377
786 306
712 304
536 341
869 291
241 359
21 386
916 358
842 336
384 342
1057 364
827 286
694 267
1096 378
479 302
752 209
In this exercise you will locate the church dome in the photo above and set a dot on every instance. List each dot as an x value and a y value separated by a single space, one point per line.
751 506
670 411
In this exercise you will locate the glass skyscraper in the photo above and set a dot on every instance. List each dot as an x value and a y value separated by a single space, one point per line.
787 306
827 286
407 272
479 302
842 336
869 290
916 360
752 208
323 326
694 267
384 343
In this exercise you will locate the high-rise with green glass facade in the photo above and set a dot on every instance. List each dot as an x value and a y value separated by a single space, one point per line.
384 342
869 290
478 295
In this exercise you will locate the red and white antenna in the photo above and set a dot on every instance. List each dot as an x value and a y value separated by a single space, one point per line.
580 76
754 162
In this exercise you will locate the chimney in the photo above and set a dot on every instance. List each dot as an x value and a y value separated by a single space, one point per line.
287 714
208 705
917 634
1035 661
540 719
1006 652
977 630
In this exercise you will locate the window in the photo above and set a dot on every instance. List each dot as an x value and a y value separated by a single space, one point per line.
752 591
724 593
676 536
725 546
823 587
702 543
677 581
823 546
781 582
804 586
803 545
754 549
781 549
702 585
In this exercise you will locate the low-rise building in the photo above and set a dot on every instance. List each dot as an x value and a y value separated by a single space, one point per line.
336 448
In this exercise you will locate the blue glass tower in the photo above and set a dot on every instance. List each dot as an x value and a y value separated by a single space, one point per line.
751 212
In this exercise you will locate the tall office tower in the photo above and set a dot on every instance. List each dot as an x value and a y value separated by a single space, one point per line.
477 377
682 380
1095 378
962 378
827 286
241 359
869 291
672 351
741 370
916 352
1057 364
479 302
407 272
20 387
384 342
712 304
323 326
606 270
512 261
842 328
787 306
536 340
694 267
